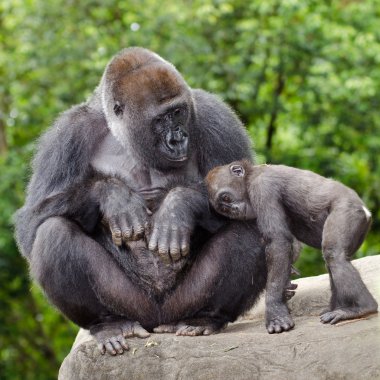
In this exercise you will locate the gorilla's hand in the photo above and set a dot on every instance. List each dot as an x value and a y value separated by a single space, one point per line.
172 226
124 211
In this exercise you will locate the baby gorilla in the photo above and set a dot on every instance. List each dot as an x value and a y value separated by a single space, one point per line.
287 203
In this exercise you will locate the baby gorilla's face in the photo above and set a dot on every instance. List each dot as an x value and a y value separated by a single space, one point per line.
227 191
227 204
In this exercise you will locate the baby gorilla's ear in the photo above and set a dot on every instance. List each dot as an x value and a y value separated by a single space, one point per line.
237 170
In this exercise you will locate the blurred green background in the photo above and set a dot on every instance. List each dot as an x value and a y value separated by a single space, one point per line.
304 76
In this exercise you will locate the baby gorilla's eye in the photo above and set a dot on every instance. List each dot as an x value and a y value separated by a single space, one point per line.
226 198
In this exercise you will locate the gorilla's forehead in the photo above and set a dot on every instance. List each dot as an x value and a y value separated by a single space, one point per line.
152 84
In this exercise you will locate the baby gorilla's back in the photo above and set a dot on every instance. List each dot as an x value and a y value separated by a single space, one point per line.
287 203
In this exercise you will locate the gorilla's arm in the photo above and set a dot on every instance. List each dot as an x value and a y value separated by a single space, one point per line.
219 138
61 163
175 220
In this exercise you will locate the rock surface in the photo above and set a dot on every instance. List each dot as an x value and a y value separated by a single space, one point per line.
312 350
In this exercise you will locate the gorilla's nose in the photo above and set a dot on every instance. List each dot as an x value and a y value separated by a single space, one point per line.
176 137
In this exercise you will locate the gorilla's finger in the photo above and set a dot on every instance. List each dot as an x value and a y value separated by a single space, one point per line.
163 242
175 251
138 231
101 348
116 345
115 231
109 348
127 234
195 331
147 230
286 327
184 243
183 330
136 227
153 242
126 229
123 343
139 331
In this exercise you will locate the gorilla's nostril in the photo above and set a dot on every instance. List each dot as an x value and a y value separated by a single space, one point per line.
177 137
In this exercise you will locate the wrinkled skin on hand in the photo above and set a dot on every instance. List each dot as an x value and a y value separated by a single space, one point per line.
171 231
124 211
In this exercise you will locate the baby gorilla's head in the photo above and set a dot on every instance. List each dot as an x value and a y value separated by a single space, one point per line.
227 190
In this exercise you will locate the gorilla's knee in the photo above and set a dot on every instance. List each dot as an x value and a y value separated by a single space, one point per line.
47 251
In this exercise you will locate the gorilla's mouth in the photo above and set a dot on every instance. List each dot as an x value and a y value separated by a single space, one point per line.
176 150
177 159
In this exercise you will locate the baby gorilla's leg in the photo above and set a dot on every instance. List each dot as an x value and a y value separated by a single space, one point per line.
343 233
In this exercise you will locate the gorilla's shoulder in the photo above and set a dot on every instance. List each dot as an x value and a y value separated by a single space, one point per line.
77 129
219 132
65 149
80 120
206 101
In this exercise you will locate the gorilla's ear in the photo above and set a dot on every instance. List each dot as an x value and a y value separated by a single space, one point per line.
118 108
237 170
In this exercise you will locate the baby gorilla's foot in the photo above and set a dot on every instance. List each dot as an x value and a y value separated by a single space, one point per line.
110 336
341 314
278 319
191 327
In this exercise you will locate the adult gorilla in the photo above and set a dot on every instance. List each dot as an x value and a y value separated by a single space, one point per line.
122 172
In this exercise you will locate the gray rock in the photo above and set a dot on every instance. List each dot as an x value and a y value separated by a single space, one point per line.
349 350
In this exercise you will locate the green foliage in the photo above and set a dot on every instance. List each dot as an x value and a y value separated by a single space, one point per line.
303 75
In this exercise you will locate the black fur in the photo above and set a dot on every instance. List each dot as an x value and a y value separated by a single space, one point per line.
94 205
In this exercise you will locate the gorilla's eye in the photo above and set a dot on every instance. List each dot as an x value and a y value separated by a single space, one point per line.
118 109
177 114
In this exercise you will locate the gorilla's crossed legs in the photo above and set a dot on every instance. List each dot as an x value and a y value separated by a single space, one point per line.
104 299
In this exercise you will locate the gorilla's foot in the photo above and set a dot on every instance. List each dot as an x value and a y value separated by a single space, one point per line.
341 314
278 319
111 335
191 327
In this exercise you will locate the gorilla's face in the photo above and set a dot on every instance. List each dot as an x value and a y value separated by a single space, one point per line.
227 190
149 109
171 133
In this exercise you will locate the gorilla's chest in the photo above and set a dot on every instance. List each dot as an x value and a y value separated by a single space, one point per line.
113 159
143 266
